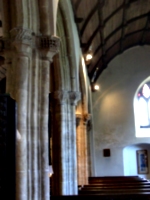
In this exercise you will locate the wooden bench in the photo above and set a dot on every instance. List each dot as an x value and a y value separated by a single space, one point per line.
141 196
115 186
112 188
94 180
114 191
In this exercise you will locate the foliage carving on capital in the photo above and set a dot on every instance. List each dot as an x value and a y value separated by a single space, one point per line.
74 97
52 43
86 118
61 96
22 35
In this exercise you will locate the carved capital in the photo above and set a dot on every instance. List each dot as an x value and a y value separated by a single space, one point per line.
20 41
49 46
21 35
74 97
50 43
60 96
86 118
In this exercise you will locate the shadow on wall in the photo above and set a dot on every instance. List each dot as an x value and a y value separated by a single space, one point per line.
136 160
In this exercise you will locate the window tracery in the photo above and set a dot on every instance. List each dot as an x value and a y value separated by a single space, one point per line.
142 110
144 105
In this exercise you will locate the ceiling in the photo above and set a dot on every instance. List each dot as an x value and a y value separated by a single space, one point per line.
109 27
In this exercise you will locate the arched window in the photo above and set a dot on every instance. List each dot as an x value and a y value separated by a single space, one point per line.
142 110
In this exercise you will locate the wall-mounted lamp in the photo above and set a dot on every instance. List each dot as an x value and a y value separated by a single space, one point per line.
95 87
88 56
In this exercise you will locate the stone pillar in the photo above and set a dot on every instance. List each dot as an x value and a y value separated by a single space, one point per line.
82 151
90 146
33 130
21 48
74 97
31 93
64 143
48 48
59 143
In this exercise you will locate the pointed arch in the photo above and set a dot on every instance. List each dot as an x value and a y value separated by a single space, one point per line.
142 111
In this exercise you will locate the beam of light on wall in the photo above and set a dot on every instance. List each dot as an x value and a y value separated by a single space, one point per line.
50 171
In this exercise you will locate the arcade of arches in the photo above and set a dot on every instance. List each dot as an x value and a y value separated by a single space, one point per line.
47 76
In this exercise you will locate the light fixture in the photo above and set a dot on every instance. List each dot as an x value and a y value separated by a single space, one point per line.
95 87
88 56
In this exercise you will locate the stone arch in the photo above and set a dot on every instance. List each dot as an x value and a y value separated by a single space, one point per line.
65 94
62 66
72 41
68 66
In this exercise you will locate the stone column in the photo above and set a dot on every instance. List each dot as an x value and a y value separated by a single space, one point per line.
21 46
59 143
32 169
64 143
48 48
74 97
82 151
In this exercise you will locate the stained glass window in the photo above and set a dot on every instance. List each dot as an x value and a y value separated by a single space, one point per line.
143 96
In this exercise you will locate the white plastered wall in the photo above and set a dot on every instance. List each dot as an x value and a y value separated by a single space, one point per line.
114 126
130 162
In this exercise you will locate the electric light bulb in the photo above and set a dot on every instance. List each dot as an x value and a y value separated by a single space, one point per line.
89 57
96 87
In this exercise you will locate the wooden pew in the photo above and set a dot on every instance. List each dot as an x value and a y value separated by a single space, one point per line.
115 186
112 188
118 179
141 196
114 191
